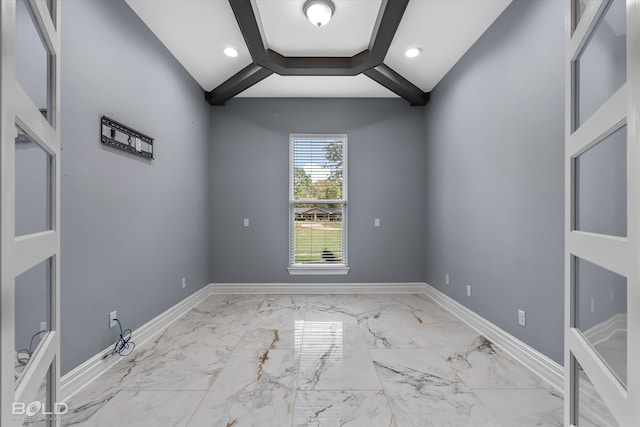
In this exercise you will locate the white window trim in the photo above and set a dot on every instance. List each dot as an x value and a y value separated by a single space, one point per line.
318 269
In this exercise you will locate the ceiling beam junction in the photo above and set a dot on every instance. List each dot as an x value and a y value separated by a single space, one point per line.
368 62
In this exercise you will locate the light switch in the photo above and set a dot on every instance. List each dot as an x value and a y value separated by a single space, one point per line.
376 222
246 222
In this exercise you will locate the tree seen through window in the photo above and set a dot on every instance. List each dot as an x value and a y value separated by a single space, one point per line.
318 200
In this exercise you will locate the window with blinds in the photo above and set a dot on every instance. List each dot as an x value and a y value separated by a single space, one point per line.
318 204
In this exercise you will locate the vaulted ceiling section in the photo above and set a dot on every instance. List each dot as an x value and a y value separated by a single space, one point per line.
368 62
361 52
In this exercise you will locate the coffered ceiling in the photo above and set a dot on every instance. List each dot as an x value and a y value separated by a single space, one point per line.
359 53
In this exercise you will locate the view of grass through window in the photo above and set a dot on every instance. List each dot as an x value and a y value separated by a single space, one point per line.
318 200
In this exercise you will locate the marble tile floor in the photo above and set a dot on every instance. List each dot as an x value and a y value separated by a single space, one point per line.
317 360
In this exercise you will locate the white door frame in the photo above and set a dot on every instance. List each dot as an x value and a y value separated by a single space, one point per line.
617 254
18 254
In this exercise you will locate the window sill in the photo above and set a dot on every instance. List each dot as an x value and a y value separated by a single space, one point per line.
318 270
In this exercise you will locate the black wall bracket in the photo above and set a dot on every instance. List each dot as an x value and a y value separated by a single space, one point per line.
124 138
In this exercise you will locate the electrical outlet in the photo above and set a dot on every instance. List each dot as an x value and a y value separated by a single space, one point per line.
593 305
43 326
468 290
112 319
446 279
522 318
184 282
245 223
376 222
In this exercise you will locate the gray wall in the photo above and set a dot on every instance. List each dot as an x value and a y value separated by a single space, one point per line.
494 164
131 228
248 178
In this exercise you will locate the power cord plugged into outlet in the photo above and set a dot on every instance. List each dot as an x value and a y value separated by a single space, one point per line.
123 345
24 355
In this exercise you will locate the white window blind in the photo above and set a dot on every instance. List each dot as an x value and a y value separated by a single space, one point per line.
318 202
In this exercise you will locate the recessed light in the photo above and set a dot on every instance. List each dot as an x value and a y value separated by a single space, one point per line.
230 52
412 52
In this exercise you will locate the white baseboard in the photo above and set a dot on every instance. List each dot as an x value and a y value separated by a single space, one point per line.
547 369
316 288
78 378
552 372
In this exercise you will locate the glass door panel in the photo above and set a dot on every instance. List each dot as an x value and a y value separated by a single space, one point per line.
32 59
601 186
34 182
601 314
601 68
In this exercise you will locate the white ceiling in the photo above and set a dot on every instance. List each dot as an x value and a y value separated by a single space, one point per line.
444 30
197 31
289 33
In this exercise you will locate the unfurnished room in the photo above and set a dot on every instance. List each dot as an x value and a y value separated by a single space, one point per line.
287 213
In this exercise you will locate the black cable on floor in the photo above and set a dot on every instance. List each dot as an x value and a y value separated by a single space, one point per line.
124 345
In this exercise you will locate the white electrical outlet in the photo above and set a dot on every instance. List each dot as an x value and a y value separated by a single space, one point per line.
43 326
245 222
376 222
112 319
593 305
446 279
184 282
522 318
468 290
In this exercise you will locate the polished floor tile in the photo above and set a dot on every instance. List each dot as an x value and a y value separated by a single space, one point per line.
423 390
256 387
342 408
524 408
390 327
333 356
317 360
142 409
482 365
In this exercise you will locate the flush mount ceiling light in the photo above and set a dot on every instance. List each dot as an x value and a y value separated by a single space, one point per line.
368 63
412 52
319 12
230 52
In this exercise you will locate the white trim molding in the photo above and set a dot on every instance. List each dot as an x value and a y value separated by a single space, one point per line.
78 378
318 288
318 270
549 370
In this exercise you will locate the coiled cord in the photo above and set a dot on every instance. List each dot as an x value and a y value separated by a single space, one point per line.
23 355
124 345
